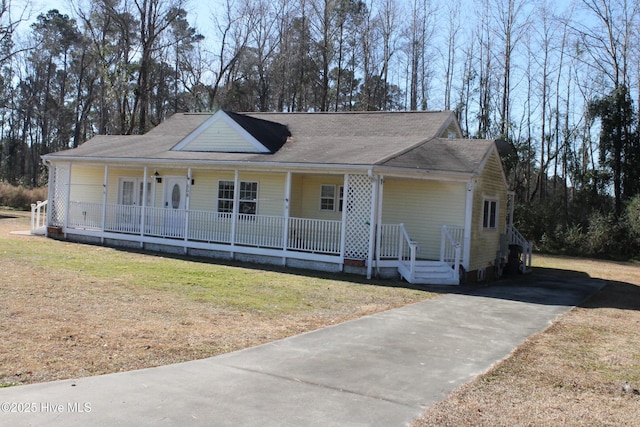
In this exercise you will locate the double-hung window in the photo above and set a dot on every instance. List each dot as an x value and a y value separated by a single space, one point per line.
247 197
331 197
490 214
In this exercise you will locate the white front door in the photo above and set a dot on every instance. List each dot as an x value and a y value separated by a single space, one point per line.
130 198
175 204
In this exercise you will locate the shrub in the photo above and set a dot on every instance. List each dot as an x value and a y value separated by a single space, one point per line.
632 215
609 237
20 198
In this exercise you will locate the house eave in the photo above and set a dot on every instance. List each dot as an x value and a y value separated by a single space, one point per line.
428 174
435 175
173 163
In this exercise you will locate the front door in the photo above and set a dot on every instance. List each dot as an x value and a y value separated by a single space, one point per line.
130 198
174 204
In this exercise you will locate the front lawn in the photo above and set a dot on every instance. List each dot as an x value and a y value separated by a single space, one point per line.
69 310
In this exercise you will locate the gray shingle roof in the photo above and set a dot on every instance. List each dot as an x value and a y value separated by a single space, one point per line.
453 155
393 139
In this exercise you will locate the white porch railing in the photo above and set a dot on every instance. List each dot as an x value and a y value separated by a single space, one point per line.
87 216
263 231
315 235
266 231
38 217
451 249
390 235
209 226
515 238
407 250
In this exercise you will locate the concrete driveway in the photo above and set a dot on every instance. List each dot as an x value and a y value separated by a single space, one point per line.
380 370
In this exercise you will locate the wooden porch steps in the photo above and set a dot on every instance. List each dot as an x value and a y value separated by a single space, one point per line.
429 273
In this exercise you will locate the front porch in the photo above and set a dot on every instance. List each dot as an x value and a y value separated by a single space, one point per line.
305 242
360 223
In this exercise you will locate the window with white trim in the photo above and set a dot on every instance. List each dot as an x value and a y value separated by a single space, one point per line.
225 196
248 197
490 214
331 197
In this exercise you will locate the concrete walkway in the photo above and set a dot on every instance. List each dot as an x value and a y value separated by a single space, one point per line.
380 370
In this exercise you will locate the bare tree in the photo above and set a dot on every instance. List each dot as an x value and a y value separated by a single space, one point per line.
454 27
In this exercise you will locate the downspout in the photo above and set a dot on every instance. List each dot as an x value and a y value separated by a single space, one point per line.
468 217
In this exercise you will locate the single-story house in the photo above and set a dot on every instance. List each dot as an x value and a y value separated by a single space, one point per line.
391 194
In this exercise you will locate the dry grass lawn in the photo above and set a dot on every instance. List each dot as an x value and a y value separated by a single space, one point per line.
69 310
582 371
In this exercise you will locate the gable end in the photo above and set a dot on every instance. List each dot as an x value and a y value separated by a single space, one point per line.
227 132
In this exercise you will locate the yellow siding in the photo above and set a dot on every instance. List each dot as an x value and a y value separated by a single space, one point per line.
86 184
220 137
311 196
485 243
424 207
204 192
270 192
295 204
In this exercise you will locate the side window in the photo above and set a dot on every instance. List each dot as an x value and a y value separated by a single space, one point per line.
490 214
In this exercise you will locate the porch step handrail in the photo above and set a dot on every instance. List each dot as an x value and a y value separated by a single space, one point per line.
405 242
38 216
514 237
450 251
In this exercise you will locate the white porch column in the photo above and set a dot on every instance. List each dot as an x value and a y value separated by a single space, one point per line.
187 206
372 223
51 191
379 219
236 208
67 203
468 215
286 207
105 187
143 208
343 233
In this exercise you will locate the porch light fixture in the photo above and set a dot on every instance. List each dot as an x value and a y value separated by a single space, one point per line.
157 176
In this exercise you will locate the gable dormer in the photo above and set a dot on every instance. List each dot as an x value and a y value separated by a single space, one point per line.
227 132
